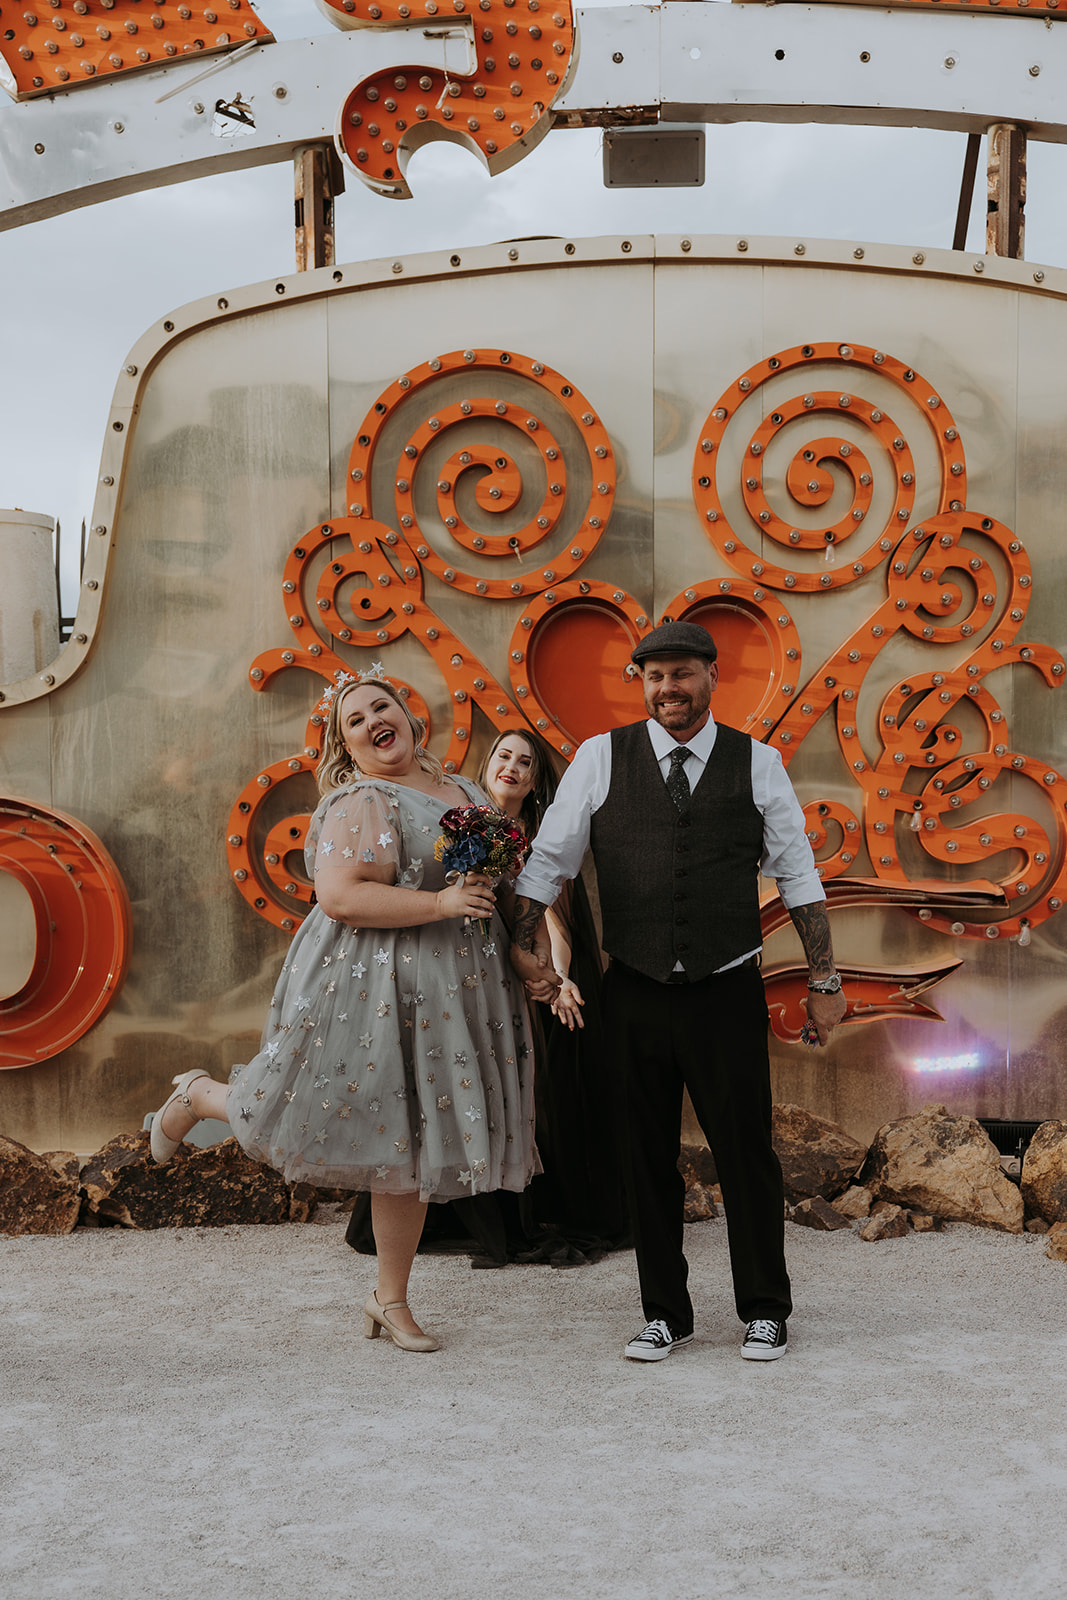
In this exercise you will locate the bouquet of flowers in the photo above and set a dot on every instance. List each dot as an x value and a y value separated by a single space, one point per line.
479 839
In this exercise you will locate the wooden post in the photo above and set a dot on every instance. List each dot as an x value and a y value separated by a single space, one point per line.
1006 171
319 177
963 210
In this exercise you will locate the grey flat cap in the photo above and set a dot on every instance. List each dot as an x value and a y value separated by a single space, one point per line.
675 639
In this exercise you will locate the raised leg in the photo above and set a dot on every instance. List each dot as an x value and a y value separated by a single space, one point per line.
207 1098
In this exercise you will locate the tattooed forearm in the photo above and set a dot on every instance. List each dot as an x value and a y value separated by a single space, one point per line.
813 926
528 914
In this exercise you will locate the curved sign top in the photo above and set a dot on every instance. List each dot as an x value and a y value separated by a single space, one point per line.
492 75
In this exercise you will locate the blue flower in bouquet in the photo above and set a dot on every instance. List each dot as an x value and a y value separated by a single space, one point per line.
465 855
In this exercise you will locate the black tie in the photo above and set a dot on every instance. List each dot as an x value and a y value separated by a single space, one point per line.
677 782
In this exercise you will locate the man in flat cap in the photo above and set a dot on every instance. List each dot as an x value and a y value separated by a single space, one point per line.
682 813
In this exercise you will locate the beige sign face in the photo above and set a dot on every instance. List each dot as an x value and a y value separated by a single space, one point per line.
492 477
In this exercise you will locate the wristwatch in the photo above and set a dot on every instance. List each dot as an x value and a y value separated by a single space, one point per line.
830 985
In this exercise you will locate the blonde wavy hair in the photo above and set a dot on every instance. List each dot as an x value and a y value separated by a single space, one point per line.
336 766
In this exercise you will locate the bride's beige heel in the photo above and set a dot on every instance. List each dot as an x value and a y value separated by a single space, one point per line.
161 1146
376 1317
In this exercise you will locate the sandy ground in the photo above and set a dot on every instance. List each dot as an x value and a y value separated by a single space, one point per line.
197 1413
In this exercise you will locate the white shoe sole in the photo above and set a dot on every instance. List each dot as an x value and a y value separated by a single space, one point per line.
644 1352
764 1353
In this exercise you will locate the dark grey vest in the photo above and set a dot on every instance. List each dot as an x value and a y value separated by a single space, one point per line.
677 887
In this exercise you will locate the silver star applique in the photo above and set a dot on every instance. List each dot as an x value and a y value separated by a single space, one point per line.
328 848
381 957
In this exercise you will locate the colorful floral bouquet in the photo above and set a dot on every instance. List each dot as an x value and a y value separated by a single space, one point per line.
480 839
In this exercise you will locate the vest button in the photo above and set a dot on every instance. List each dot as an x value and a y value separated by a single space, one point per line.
685 822
681 872
680 947
680 894
681 922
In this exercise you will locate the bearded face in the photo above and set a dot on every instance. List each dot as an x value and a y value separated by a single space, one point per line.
678 692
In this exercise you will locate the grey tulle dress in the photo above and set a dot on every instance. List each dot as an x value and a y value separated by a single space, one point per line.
393 1059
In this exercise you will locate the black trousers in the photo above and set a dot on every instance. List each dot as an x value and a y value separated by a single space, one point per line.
711 1038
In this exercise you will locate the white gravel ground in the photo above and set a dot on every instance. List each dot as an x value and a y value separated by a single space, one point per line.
196 1413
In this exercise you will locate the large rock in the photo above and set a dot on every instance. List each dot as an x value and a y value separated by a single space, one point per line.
818 1158
946 1166
1044 1178
196 1189
34 1196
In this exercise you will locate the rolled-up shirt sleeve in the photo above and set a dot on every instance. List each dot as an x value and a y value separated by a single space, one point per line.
563 837
787 853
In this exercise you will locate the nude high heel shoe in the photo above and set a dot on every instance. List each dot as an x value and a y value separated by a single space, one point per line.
376 1317
162 1147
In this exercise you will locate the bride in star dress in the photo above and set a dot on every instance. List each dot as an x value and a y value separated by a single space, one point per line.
396 1057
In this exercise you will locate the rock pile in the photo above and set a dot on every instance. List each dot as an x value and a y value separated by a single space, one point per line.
122 1186
196 1189
919 1171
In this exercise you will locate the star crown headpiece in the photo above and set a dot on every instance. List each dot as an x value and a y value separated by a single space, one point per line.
343 680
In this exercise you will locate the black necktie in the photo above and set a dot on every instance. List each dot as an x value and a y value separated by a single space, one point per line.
677 782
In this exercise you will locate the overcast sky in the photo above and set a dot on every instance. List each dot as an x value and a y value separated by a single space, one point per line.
78 290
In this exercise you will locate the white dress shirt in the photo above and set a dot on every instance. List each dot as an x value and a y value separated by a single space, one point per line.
563 837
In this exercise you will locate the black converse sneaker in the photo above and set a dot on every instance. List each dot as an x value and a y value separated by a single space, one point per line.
655 1342
765 1340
